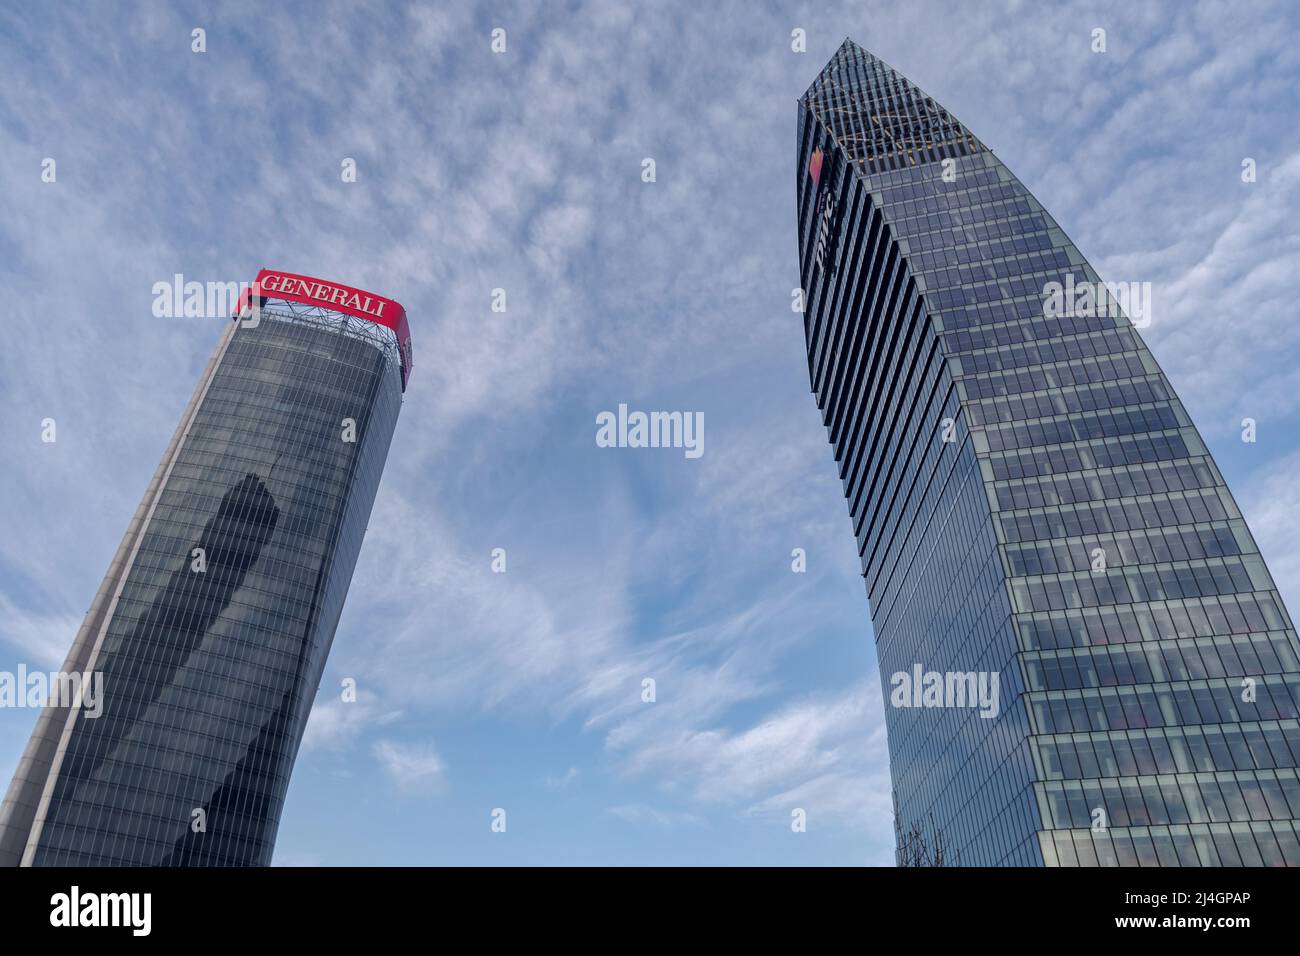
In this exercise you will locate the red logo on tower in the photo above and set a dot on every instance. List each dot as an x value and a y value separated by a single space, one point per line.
815 166
273 284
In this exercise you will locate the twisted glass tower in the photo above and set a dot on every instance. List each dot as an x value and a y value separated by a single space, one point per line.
1035 513
212 626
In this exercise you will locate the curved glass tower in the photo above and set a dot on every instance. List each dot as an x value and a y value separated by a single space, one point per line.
1084 659
211 628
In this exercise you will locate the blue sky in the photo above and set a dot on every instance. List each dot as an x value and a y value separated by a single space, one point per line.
522 171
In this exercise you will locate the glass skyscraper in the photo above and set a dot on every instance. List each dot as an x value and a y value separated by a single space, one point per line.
1034 510
212 626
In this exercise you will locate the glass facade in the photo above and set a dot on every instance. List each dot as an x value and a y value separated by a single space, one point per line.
1031 501
213 625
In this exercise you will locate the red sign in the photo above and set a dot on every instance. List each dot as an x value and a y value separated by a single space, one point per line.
272 284
815 166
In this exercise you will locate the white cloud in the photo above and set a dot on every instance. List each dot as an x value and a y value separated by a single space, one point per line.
334 724
1226 316
44 638
410 766
563 781
825 753
1270 501
644 814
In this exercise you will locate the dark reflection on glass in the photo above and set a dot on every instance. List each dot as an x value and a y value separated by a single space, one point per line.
138 668
209 674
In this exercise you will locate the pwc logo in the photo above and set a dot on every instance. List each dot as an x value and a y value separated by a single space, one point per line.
826 215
